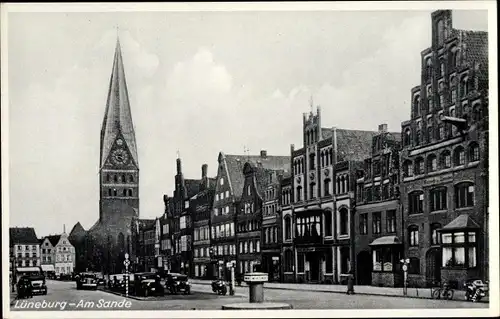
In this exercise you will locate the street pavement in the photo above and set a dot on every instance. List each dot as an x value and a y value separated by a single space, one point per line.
62 295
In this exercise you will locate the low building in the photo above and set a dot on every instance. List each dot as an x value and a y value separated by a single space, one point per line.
24 248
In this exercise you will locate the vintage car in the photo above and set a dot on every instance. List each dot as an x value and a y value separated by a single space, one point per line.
176 283
147 284
117 282
86 281
27 286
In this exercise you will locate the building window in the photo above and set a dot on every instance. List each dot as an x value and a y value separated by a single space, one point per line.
288 228
344 221
435 236
312 161
391 221
312 191
473 152
428 68
431 163
326 186
328 223
416 202
413 235
459 249
445 159
221 181
438 199
419 166
377 223
429 134
407 137
440 132
363 224
464 86
464 195
407 168
288 261
459 156
299 193
369 194
300 262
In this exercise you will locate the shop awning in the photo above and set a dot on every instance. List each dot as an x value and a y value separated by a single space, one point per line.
48 268
386 240
28 269
461 222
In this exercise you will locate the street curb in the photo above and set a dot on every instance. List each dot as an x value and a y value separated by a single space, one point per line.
120 294
355 293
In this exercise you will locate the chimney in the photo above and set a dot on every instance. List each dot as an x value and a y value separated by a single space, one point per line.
382 128
204 171
263 153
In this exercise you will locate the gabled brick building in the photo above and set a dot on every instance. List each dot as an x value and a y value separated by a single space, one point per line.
444 159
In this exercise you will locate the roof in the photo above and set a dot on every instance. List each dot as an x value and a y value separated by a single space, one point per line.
77 233
192 186
326 133
54 239
386 240
117 117
461 222
235 165
354 145
23 235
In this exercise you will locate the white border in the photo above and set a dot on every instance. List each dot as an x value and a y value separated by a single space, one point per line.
263 6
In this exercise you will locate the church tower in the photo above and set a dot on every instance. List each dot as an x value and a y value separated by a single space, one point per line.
119 165
110 237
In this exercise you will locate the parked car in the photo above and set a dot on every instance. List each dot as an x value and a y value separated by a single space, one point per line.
87 281
117 282
176 283
148 283
27 286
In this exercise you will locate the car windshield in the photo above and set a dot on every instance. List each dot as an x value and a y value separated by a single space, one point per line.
36 278
148 276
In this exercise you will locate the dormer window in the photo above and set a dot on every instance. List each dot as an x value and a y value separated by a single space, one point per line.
221 181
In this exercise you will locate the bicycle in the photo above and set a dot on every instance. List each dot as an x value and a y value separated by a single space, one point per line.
445 292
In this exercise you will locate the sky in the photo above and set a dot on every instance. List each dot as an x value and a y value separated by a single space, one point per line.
199 83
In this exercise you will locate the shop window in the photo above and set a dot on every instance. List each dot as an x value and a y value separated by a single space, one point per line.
459 249
413 235
416 202
329 261
464 195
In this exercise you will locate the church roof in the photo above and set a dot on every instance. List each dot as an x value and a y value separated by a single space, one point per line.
77 233
117 117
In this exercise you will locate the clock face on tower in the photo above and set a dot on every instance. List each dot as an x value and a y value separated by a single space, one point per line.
119 157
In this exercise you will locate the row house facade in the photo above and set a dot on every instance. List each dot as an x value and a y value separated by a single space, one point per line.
201 207
271 225
444 191
317 214
226 206
58 252
378 243
24 247
141 246
166 248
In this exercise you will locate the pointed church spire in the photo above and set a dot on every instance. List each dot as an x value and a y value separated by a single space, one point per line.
117 117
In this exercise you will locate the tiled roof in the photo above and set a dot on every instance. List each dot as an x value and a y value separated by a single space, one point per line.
54 239
354 145
326 133
477 50
23 235
235 165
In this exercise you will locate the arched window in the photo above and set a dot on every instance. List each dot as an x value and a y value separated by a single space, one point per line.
342 184
413 235
445 159
416 105
431 163
454 56
301 166
407 168
130 192
464 86
428 68
327 158
115 192
473 152
416 202
328 223
343 221
109 192
458 156
107 177
435 237
322 159
419 166
331 156
299 193
312 188
337 190
288 228
441 67
430 133
407 137
245 247
131 178
476 112
326 186
464 194
250 247
438 199
115 178
312 161
124 192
